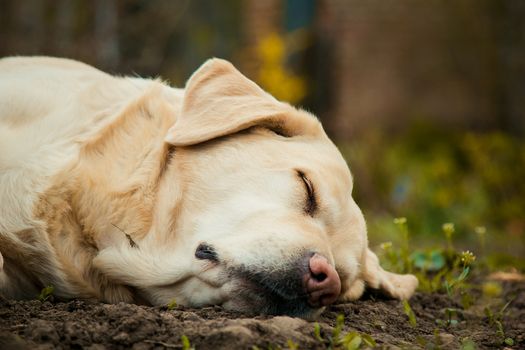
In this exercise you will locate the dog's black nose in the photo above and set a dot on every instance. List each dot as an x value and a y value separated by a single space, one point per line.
206 252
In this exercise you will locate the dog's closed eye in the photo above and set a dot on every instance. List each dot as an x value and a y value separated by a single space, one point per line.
311 202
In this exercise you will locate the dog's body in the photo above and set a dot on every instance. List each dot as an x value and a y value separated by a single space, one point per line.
108 185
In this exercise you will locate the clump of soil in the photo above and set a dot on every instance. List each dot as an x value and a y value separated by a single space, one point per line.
82 324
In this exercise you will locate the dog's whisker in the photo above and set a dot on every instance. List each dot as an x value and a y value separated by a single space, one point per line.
128 236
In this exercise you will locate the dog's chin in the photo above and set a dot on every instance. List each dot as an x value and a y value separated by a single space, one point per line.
270 293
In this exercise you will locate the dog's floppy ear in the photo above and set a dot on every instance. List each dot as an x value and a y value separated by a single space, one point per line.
219 101
392 284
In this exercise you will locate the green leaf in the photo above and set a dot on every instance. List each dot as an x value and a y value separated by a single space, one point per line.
499 330
172 304
317 332
336 334
355 343
185 342
428 261
292 345
45 293
368 340
409 313
448 288
463 274
349 337
502 311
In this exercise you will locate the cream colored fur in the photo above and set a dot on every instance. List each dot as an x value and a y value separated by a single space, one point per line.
108 184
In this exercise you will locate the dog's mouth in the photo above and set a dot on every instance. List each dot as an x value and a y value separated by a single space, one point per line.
272 292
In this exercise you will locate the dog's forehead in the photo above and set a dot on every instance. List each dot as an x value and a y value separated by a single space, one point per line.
321 158
259 151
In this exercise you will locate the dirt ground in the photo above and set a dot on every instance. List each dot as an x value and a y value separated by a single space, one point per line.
89 325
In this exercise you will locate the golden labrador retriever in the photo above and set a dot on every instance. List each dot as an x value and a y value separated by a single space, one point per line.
126 189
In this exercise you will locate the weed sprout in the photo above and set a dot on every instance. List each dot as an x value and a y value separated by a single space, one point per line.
46 293
449 229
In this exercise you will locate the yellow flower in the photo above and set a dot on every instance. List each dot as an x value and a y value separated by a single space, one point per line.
448 229
480 230
467 257
400 221
386 245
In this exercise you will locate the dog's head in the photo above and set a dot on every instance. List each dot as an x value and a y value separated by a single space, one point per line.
254 212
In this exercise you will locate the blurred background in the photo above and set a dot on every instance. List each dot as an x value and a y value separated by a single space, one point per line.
424 98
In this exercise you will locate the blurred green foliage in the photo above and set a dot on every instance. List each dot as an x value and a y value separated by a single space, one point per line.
432 175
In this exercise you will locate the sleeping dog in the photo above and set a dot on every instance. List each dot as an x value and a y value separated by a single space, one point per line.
127 189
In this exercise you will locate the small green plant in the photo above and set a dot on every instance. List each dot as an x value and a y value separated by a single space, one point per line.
292 345
440 269
496 320
402 225
451 318
46 293
186 345
468 344
317 332
338 329
448 230
437 343
410 313
352 340
437 269
466 258
172 304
